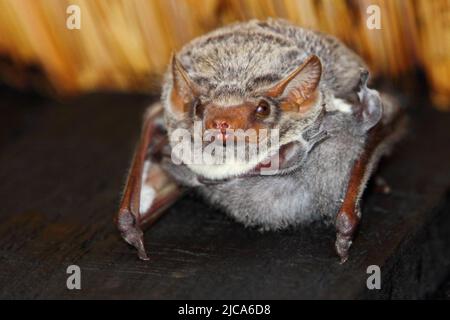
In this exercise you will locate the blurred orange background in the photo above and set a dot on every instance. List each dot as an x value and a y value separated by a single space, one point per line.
125 45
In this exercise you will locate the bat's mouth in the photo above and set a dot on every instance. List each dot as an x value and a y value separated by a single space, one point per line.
284 160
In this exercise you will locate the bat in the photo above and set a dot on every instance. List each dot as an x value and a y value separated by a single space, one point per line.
298 97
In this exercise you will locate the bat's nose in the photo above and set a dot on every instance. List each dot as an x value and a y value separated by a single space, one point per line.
222 125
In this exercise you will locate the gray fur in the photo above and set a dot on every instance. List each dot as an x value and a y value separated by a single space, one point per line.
243 57
234 63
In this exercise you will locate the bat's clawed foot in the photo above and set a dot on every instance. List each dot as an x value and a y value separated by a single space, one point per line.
345 228
132 233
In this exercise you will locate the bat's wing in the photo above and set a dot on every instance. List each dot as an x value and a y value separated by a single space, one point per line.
149 189
384 123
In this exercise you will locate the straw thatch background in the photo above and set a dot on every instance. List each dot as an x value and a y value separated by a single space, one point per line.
126 44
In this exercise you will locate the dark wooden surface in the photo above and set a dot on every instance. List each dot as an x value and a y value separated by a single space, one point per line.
62 168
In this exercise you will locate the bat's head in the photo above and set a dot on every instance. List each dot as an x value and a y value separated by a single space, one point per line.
286 104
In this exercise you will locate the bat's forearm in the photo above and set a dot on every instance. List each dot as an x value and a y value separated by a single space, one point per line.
132 217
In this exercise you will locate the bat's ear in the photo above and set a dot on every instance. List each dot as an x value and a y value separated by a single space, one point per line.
298 89
184 90
369 110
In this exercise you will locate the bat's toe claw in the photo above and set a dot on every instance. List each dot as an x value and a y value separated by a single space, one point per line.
134 236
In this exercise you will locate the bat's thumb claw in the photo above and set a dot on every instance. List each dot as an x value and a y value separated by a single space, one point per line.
343 259
131 232
142 254
342 245
134 236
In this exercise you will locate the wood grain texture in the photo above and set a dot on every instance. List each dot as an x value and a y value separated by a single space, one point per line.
63 166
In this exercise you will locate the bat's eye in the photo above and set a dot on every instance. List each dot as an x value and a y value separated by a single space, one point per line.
263 109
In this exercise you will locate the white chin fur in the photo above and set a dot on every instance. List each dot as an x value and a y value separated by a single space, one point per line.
222 171
228 169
